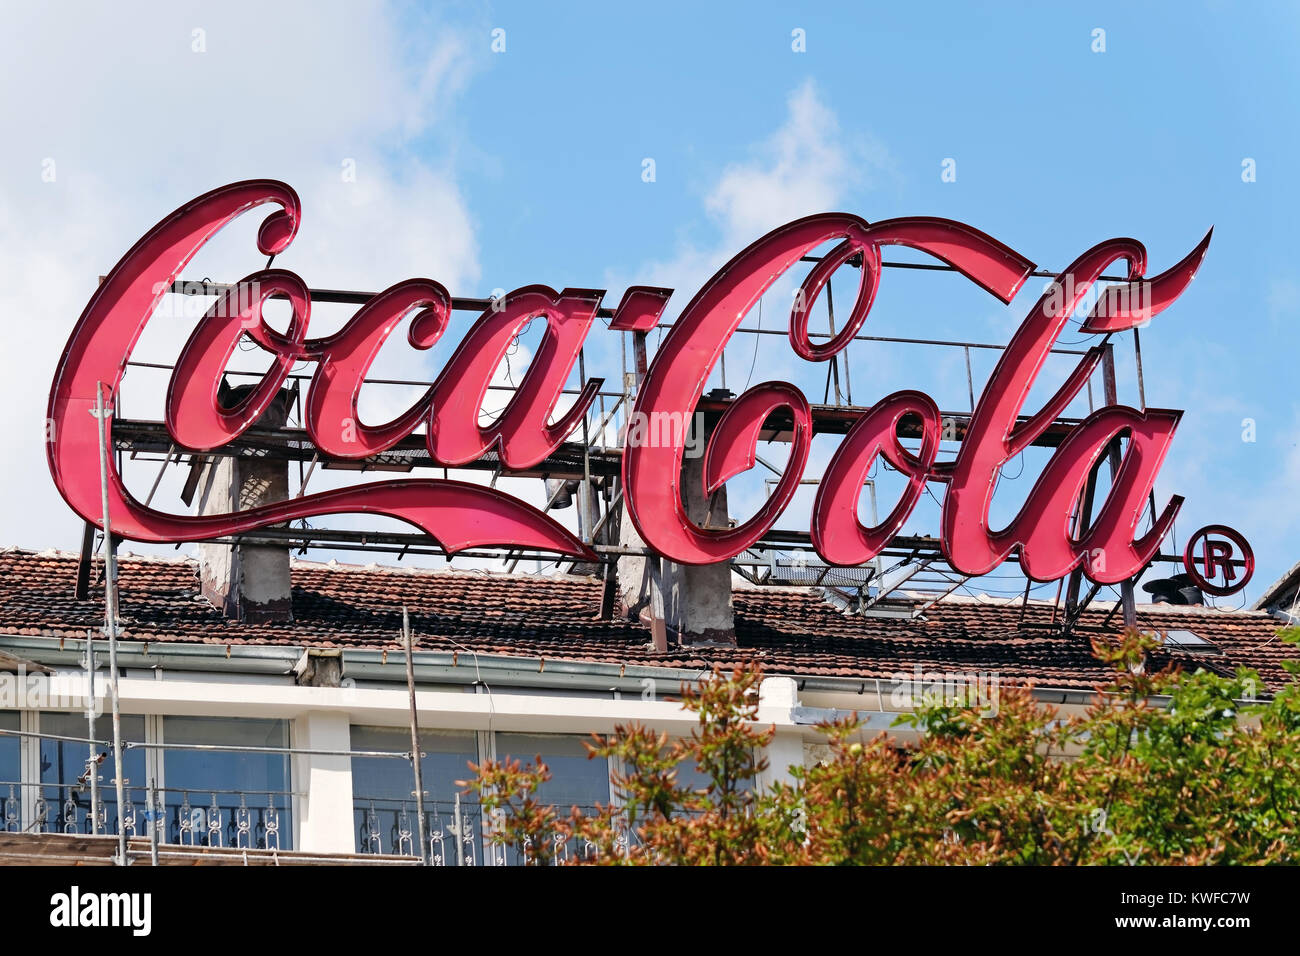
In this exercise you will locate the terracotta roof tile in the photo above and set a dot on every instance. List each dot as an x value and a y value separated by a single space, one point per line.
793 631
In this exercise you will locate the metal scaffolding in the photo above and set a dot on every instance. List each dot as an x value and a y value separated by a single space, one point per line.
918 577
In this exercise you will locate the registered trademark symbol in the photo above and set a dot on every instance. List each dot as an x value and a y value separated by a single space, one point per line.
1226 561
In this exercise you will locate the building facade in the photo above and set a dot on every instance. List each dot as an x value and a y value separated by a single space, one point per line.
293 734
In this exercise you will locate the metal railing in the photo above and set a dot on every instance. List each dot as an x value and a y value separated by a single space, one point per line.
456 831
460 834
236 819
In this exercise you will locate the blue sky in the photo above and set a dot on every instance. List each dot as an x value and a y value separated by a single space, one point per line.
1056 147
490 170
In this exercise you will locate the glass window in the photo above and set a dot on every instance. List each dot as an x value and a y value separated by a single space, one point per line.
576 780
10 772
63 804
383 790
227 798
690 775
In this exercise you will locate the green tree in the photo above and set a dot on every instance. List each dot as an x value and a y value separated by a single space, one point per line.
1165 767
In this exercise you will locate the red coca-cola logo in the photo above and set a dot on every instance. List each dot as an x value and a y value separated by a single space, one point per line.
461 515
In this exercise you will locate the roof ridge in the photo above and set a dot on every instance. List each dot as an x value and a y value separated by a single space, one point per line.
65 555
952 600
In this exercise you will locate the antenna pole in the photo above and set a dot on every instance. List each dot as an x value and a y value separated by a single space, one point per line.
110 621
1128 599
92 764
408 642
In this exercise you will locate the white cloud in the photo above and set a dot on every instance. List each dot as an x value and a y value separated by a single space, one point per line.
136 122
806 166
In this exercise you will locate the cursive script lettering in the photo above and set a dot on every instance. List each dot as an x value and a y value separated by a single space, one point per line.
459 515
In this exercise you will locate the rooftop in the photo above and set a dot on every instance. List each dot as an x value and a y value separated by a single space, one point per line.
792 630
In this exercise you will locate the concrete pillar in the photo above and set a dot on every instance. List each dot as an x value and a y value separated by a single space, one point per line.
777 696
246 582
325 812
319 667
697 598
694 601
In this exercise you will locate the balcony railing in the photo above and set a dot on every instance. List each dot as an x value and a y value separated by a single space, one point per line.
459 833
247 819
455 829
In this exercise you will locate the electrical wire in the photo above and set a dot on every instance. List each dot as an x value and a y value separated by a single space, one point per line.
1003 474
754 361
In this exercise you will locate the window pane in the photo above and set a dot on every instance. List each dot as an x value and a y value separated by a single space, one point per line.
224 798
63 805
383 790
575 780
10 771
690 775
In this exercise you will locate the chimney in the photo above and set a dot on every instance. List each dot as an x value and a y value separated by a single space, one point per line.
247 582
566 493
683 604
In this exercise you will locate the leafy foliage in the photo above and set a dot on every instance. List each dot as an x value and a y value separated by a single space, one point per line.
1162 768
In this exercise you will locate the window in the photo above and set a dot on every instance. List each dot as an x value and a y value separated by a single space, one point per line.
383 791
690 775
575 780
63 803
10 773
224 797
1190 641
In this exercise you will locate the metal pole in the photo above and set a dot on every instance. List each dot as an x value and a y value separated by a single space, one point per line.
92 765
1127 598
830 308
834 370
1137 358
110 620
584 491
639 351
970 381
155 821
415 734
458 822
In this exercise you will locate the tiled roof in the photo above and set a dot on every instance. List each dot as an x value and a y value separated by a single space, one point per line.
556 618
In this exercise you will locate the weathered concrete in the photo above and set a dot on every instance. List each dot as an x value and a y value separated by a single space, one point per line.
697 598
246 582
319 667
694 601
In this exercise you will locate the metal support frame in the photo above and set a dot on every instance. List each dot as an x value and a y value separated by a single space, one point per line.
1127 599
591 459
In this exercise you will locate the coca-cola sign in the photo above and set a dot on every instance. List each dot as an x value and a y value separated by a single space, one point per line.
460 515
